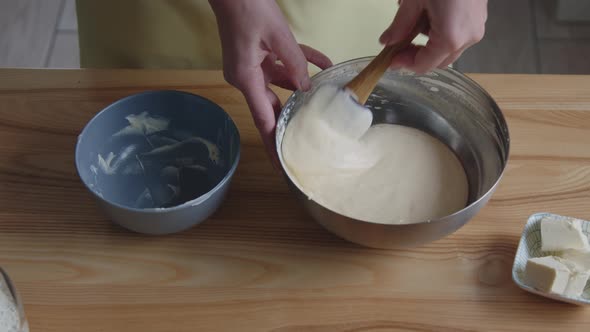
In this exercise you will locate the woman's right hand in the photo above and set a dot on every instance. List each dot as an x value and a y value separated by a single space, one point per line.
454 26
254 35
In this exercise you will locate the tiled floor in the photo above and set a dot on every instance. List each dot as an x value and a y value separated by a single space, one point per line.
523 36
38 33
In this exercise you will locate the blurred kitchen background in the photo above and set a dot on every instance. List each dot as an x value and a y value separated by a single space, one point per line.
523 36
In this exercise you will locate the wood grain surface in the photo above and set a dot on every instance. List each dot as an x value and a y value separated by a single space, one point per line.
260 263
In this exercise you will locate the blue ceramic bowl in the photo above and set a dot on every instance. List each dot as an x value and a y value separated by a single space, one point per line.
159 162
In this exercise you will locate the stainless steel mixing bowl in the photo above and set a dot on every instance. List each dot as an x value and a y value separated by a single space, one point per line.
446 104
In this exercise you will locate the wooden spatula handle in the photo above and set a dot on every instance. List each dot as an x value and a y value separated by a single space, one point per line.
364 83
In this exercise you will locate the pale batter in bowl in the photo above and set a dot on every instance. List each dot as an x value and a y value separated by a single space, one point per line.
385 173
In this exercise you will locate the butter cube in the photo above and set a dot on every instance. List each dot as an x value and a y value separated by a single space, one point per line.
559 234
581 259
577 283
547 274
556 275
577 280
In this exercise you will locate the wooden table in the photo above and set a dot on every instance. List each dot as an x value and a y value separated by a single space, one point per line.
261 263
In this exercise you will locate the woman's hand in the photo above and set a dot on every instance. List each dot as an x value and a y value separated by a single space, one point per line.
254 35
454 25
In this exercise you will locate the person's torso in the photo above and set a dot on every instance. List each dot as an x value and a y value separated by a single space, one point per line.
183 33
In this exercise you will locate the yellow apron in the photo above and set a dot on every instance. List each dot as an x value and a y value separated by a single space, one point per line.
183 33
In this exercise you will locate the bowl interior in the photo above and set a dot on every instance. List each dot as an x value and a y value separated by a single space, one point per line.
444 104
157 149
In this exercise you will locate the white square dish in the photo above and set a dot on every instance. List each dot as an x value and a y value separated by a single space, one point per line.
530 247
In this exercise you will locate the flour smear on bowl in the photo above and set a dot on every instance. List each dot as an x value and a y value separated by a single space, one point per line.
10 320
165 162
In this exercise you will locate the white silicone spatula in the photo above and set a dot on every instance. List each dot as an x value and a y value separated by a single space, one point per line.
364 83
